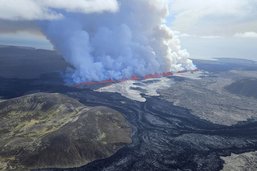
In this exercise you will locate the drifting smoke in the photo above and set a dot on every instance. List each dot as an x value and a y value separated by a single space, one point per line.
133 40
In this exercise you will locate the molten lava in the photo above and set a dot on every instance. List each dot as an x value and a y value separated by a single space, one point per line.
134 78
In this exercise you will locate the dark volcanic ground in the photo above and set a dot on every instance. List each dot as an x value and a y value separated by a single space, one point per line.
166 137
246 87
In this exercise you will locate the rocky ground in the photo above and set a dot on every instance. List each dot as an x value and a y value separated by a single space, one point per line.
52 130
241 162
225 98
208 99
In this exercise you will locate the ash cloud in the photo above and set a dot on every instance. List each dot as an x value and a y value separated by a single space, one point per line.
109 43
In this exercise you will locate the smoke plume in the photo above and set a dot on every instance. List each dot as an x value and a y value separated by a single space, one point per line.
133 40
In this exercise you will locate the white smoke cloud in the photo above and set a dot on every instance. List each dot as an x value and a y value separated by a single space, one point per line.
104 42
132 41
47 9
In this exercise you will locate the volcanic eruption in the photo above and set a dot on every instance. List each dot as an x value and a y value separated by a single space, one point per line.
133 39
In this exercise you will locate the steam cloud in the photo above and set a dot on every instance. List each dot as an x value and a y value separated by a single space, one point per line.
110 39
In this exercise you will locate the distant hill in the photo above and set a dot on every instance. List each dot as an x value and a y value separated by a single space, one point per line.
225 64
52 130
246 87
27 63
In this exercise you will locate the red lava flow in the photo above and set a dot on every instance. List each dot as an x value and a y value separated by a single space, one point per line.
134 78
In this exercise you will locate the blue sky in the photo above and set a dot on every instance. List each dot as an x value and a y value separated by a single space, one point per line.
206 28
